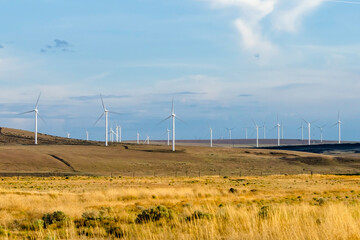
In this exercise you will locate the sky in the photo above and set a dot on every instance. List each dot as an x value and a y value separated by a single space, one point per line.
226 63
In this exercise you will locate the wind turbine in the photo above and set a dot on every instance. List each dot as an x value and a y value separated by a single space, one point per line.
309 130
173 117
168 136
264 129
257 134
211 137
302 131
137 137
278 131
339 123
230 130
87 135
321 128
106 113
36 111
246 133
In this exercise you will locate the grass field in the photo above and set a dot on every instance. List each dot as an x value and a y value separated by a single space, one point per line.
272 207
132 191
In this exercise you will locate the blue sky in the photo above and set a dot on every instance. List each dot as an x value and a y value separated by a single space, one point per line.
226 62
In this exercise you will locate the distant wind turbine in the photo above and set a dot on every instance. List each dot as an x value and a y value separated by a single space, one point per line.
87 135
278 131
339 123
321 128
309 130
246 133
137 137
106 113
264 129
302 131
211 137
173 117
257 134
230 130
36 111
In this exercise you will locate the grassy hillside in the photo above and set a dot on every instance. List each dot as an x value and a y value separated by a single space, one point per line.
61 155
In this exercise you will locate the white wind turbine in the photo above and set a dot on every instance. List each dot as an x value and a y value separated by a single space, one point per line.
36 111
309 130
173 117
302 131
168 136
87 135
137 137
246 133
278 131
257 134
339 123
106 113
230 131
211 137
321 128
264 130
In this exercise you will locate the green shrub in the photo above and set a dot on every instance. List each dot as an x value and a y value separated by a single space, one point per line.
154 214
57 219
264 212
199 215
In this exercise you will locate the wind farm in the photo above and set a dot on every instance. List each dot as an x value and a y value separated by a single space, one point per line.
189 120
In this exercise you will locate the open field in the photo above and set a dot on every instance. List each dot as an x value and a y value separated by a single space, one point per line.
272 207
141 191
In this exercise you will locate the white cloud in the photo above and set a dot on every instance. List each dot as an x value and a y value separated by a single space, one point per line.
282 16
289 19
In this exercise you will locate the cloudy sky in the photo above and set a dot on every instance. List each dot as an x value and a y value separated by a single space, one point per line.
225 62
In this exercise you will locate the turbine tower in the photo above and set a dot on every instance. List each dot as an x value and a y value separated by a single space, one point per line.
137 137
211 137
278 131
321 128
309 130
106 113
257 134
36 111
230 130
173 117
168 136
87 135
302 131
339 123
246 133
264 129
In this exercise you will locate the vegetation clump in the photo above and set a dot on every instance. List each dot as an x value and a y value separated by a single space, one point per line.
199 215
233 190
264 212
155 214
56 219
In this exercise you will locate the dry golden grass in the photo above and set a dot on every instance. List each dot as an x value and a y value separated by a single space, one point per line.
273 207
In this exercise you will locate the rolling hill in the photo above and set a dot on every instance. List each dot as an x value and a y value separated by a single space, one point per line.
62 156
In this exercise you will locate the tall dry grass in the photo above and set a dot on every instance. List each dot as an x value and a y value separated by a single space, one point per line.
276 207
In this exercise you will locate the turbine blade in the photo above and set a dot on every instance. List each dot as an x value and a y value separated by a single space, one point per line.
102 101
37 101
115 113
165 119
180 120
26 112
99 118
42 119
